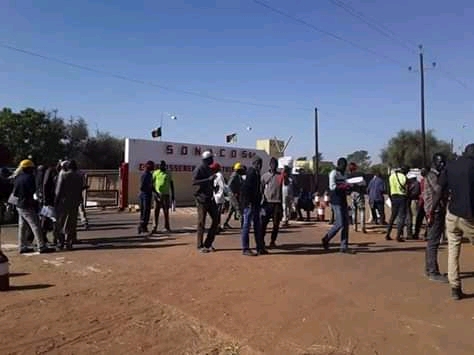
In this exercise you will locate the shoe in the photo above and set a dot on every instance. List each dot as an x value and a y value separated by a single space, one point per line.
325 243
46 250
154 230
438 278
262 252
248 252
272 245
400 240
140 230
205 250
387 237
227 226
456 293
26 250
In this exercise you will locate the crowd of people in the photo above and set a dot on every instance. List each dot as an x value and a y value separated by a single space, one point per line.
47 199
443 196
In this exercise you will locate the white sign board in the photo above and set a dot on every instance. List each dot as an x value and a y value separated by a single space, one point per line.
186 156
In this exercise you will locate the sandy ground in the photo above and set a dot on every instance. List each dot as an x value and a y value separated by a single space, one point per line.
120 294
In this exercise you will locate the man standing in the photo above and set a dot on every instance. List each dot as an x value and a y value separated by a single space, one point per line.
204 179
163 191
398 198
437 220
376 190
68 196
251 199
220 189
272 182
420 208
27 207
457 179
146 194
288 194
338 189
358 199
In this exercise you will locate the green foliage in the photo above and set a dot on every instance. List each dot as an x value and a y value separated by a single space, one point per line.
325 167
361 158
47 139
406 149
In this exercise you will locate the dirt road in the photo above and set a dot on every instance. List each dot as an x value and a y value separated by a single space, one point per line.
119 294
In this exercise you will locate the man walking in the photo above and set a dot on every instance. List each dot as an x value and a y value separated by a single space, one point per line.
338 189
288 195
398 198
457 179
437 220
68 196
235 184
272 182
251 199
163 192
204 196
145 197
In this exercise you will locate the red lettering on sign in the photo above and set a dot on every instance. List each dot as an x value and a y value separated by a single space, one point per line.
169 149
222 153
184 150
197 151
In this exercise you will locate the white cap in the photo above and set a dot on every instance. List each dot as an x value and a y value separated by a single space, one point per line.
206 155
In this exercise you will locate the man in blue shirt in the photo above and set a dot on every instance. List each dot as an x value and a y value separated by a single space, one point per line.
376 191
146 194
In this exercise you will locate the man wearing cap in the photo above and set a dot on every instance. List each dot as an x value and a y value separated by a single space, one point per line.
27 207
235 184
457 179
163 191
203 178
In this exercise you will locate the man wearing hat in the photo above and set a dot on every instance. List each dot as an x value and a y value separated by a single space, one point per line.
27 207
203 177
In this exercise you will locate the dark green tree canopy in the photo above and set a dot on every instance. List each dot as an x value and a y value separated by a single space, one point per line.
361 158
405 148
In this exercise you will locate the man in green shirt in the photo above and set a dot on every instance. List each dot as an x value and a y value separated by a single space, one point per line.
163 192
398 198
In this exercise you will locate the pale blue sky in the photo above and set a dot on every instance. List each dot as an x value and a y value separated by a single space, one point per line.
243 51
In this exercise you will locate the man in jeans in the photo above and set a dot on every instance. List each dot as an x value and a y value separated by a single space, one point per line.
457 179
338 189
272 182
437 220
251 199
146 194
398 198
205 203
376 191
27 207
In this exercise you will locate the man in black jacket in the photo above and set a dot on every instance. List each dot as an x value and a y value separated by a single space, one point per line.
457 179
251 199
27 206
203 177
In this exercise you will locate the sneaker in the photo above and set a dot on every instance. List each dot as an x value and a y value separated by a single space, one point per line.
46 250
248 252
26 250
262 252
272 245
387 237
205 250
456 293
438 278
325 243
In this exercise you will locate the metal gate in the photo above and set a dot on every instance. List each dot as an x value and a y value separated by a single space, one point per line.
103 188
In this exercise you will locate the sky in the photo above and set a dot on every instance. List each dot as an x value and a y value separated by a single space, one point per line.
277 68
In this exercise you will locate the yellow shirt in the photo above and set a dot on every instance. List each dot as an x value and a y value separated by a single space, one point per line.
398 184
162 182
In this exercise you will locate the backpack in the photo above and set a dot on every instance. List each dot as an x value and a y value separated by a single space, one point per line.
414 190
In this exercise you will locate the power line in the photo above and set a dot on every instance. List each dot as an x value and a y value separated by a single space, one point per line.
329 34
385 31
142 82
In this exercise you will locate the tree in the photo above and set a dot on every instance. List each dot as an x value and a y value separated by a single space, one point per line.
102 152
406 149
31 133
361 158
325 167
76 134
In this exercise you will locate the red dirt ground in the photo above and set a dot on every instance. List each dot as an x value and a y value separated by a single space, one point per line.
125 295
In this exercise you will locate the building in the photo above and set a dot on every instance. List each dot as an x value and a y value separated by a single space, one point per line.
273 147
181 159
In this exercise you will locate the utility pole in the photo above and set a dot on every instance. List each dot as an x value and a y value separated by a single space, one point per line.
316 147
422 99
